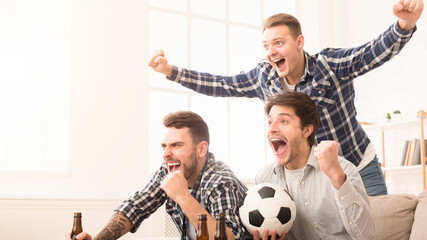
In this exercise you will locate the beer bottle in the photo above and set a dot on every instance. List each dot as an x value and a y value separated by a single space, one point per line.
202 229
220 233
77 225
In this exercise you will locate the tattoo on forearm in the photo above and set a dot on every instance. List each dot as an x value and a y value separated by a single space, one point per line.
114 228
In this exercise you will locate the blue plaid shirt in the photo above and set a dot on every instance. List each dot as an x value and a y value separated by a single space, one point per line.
328 80
217 189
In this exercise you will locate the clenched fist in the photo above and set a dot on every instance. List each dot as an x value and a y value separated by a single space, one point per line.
176 186
327 155
159 63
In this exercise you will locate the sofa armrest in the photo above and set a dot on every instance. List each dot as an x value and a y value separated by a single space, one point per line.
419 228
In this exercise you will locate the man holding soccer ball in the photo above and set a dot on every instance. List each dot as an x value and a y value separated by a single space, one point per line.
331 201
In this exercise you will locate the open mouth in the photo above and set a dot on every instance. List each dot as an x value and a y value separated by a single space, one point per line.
279 145
173 166
279 62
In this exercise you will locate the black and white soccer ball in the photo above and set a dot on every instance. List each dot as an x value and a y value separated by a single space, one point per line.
267 206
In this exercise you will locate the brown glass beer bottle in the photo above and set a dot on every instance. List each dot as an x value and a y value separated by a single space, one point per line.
220 233
202 229
77 225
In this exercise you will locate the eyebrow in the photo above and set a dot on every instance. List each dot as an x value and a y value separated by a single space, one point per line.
274 39
176 142
282 114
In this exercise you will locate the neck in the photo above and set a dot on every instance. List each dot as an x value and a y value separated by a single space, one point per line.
294 78
302 158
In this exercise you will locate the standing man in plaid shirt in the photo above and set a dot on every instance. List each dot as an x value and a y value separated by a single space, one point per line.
190 181
327 77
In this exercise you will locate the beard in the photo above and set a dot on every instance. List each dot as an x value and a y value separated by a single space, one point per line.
189 170
294 147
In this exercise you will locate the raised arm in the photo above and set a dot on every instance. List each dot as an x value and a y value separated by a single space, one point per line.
245 84
326 152
408 12
159 63
350 195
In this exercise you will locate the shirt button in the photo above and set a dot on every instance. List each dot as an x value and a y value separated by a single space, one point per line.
306 203
341 197
350 223
315 226
320 92
302 182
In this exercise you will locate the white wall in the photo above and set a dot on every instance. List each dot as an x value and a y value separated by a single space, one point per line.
323 23
108 104
108 128
22 219
398 84
108 107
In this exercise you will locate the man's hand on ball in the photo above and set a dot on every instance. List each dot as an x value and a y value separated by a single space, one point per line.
265 235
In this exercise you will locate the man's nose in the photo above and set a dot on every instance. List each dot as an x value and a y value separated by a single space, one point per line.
272 128
167 152
271 51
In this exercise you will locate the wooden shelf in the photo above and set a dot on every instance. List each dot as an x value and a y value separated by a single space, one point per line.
401 168
389 124
398 124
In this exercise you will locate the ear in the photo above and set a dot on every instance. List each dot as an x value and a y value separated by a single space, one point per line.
300 42
202 149
307 131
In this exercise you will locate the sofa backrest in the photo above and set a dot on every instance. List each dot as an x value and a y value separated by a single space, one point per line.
393 215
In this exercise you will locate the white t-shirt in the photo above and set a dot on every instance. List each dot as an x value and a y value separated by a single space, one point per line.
294 181
191 230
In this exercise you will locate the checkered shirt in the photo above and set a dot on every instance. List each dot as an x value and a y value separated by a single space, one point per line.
328 80
217 189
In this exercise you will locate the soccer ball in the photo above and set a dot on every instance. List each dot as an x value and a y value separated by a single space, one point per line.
267 206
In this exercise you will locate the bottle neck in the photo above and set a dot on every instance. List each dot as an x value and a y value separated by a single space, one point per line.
77 226
220 233
202 230
203 226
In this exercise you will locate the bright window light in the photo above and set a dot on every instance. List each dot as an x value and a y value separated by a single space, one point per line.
220 38
34 84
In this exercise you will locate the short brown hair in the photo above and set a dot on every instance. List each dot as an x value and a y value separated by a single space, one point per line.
305 108
198 128
284 19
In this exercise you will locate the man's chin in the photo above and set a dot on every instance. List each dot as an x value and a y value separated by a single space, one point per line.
280 71
281 74
282 161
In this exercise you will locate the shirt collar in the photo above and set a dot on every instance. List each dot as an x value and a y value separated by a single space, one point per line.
310 64
312 161
309 69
